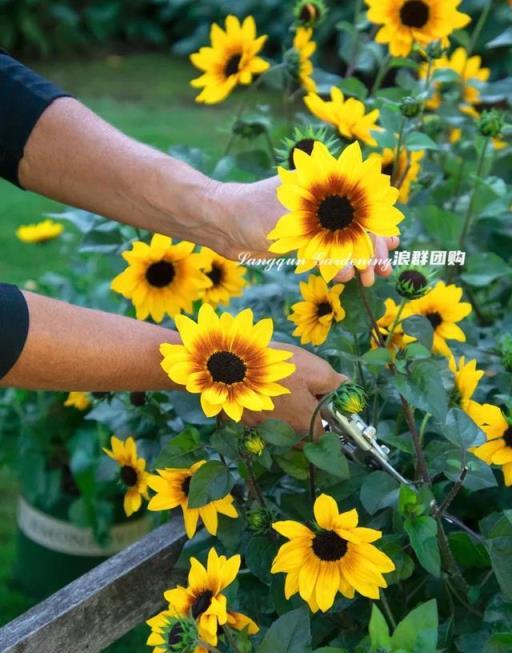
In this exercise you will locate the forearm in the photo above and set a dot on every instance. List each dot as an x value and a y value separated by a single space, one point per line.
74 156
73 348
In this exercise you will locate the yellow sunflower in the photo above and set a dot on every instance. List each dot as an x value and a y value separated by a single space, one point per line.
305 48
40 232
231 60
161 278
467 68
333 204
443 307
228 361
498 431
336 556
467 378
172 487
315 315
405 22
133 473
169 632
227 278
348 116
203 599
78 400
409 168
399 340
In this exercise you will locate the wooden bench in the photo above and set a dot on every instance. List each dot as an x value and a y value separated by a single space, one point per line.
100 607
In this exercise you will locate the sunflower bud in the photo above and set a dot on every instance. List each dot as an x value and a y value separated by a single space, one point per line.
254 444
309 14
413 282
410 107
435 50
260 520
506 352
491 123
350 398
249 129
304 139
181 636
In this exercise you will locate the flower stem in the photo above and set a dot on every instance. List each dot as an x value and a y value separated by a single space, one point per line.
478 28
252 483
398 151
471 206
396 321
440 510
387 610
384 67
312 469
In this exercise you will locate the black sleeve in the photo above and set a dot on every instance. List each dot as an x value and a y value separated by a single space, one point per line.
14 322
24 96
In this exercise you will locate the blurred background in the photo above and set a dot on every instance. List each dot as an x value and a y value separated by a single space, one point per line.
128 61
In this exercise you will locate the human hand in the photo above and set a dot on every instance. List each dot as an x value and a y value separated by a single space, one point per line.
248 212
313 379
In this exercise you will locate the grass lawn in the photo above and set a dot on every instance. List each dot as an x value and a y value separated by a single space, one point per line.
148 97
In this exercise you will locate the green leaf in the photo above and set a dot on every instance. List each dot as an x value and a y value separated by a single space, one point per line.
423 388
501 41
277 433
379 631
417 351
377 357
259 555
294 463
442 226
460 429
379 490
500 551
291 633
326 454
484 268
420 328
418 632
177 451
211 482
422 532
499 643
418 141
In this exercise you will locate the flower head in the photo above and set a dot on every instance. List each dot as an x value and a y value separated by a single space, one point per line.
443 307
228 362
161 278
413 281
309 13
304 139
227 278
78 400
333 203
348 116
253 443
335 556
172 634
350 398
172 487
204 601
466 378
318 311
498 431
410 107
491 123
406 22
132 472
304 47
399 339
40 232
409 168
230 60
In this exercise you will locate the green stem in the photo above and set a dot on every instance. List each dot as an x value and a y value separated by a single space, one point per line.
357 42
478 28
231 640
396 321
384 67
448 559
311 437
387 610
471 206
254 488
398 151
423 426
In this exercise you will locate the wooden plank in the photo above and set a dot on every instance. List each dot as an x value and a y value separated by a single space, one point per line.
100 607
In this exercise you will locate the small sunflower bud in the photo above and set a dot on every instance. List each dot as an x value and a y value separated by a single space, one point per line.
309 14
254 444
410 107
181 635
435 50
506 352
413 282
350 398
491 123
259 520
137 398
304 139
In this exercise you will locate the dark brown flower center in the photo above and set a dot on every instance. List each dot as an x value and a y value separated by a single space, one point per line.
129 475
324 308
306 145
415 278
160 274
415 13
215 275
335 212
226 367
175 635
507 436
185 486
202 603
434 318
329 546
232 66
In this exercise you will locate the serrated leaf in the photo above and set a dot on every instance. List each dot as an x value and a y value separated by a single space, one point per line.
326 454
209 483
422 532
